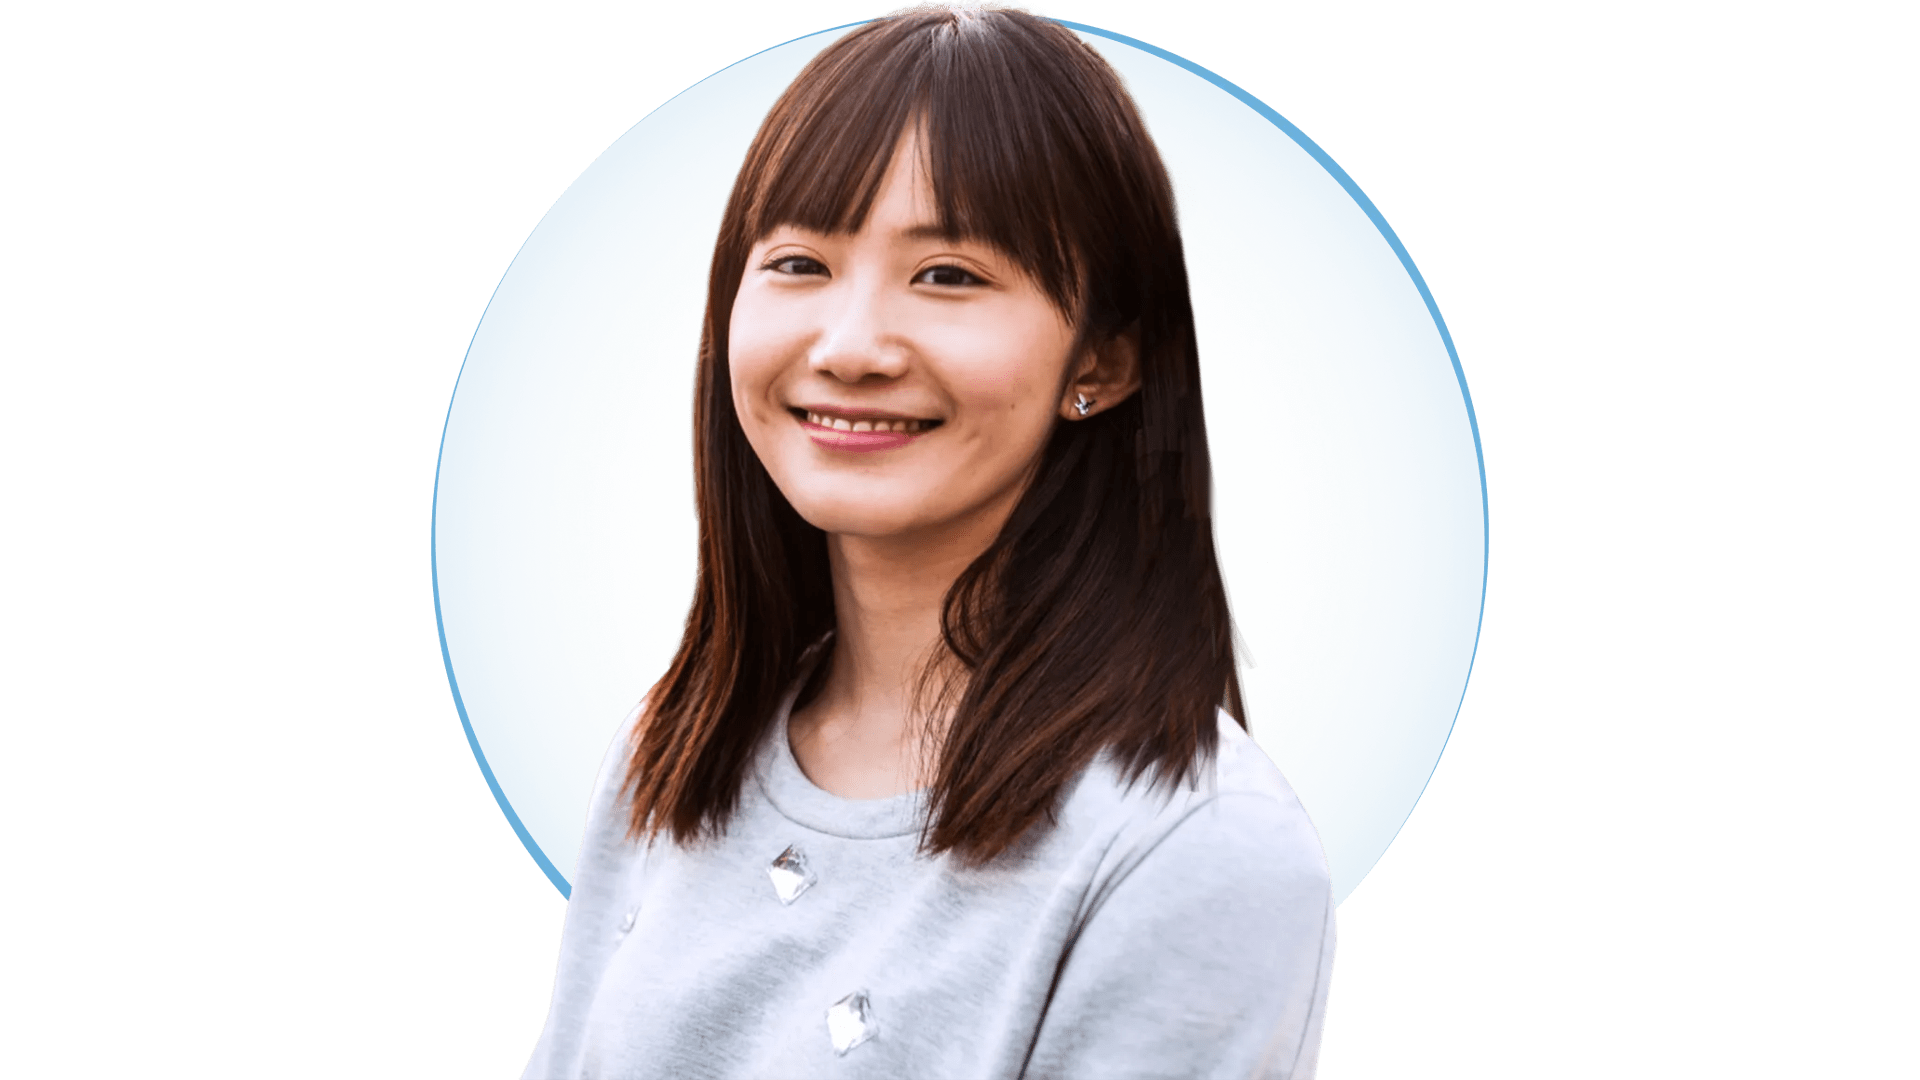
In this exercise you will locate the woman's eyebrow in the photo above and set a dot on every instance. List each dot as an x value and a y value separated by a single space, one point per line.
930 230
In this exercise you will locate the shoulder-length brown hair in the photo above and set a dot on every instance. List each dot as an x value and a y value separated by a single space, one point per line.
1096 620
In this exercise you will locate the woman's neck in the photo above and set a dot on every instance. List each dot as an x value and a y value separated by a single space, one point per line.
866 735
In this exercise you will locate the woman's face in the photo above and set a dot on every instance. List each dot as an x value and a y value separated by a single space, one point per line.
894 382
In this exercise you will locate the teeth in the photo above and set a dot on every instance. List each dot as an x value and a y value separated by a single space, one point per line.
838 423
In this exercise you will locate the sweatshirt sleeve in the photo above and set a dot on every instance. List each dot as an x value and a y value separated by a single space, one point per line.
604 880
1209 959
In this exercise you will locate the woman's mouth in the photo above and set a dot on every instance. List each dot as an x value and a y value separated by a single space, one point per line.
861 433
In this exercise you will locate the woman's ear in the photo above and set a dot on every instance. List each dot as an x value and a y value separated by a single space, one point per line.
1106 374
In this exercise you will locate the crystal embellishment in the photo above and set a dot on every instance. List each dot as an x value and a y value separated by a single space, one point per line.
790 873
850 1022
626 921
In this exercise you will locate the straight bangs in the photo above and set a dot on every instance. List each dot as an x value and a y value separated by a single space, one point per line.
1004 139
1096 622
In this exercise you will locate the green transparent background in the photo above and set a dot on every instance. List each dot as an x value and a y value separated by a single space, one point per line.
244 248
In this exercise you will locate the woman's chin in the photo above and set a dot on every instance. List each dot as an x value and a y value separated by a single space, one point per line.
901 503
862 518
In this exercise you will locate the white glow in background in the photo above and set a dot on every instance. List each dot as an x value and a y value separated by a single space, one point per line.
1349 498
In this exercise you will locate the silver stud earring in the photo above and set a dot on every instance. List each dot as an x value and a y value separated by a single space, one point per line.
1083 404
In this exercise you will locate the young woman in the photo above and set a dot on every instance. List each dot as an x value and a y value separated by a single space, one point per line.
939 783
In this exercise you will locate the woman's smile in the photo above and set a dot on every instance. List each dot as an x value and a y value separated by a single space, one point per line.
860 431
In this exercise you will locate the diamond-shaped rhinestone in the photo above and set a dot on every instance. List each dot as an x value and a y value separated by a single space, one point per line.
790 873
850 1022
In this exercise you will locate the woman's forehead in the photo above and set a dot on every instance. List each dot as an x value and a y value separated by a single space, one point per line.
905 209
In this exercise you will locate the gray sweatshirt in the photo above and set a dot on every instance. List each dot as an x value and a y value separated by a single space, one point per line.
1145 933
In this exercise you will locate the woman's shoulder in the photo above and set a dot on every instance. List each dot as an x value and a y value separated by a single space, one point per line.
611 779
1248 830
1237 819
1240 767
1204 944
606 840
1237 771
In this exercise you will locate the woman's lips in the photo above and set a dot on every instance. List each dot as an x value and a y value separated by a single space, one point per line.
861 434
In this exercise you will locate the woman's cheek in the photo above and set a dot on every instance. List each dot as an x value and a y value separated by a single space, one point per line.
753 368
755 324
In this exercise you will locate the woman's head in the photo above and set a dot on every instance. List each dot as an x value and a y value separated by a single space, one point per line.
954 218
954 222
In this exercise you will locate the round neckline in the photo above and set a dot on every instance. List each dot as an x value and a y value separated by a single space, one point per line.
806 803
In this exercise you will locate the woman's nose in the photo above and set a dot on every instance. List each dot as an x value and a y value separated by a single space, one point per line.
858 342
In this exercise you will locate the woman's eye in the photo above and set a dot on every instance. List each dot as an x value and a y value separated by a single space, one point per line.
946 275
796 264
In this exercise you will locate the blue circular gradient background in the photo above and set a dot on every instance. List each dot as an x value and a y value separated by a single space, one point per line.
1350 498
